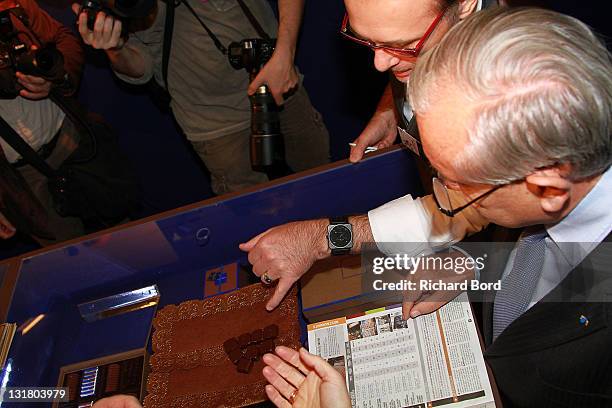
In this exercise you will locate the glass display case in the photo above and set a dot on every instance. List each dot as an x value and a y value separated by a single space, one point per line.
96 297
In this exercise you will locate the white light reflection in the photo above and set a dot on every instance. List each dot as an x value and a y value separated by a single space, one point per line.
5 378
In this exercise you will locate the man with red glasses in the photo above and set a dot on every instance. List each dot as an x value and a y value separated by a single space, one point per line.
397 31
410 28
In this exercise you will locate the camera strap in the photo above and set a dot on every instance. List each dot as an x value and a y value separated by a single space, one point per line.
212 35
167 44
247 12
29 155
249 15
169 29
25 150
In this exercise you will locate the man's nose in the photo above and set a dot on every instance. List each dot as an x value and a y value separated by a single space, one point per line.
384 61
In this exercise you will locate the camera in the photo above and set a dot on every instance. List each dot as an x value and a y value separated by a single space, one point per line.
267 144
121 8
46 62
251 54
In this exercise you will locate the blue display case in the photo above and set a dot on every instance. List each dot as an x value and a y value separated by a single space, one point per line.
64 299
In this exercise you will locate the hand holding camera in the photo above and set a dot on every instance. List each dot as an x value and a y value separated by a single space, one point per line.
279 74
105 33
34 87
267 144
123 9
27 71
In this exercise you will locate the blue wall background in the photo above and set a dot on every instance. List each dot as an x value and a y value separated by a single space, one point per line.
339 76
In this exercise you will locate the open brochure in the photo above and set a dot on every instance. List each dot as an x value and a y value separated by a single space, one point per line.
433 360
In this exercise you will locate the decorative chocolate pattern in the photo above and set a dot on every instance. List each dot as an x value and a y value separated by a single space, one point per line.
157 384
193 309
209 357
164 361
239 396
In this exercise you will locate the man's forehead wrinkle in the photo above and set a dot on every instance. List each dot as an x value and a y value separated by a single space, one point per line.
367 36
399 22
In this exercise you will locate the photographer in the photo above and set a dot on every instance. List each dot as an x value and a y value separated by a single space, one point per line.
25 202
210 98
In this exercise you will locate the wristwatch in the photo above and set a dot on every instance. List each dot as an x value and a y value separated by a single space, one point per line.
339 236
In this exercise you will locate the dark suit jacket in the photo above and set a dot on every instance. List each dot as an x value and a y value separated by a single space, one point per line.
547 358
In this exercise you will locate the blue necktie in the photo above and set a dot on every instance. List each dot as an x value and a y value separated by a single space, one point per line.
518 286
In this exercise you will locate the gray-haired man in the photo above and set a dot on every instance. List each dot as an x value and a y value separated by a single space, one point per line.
527 95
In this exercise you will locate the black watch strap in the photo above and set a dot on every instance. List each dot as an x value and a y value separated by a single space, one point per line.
338 251
338 220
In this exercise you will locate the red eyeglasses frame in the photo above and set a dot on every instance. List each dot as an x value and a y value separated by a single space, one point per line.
409 52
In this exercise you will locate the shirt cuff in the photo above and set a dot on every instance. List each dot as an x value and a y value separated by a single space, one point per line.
399 222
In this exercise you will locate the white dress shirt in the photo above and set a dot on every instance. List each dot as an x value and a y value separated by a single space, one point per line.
573 238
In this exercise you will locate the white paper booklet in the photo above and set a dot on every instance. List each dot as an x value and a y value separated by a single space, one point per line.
433 360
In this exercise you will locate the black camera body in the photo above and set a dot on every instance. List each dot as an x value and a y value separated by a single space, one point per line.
124 9
46 62
251 54
267 144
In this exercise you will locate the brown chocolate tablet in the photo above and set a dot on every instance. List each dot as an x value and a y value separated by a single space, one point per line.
230 345
267 346
252 352
244 339
271 332
257 336
244 365
258 352
235 355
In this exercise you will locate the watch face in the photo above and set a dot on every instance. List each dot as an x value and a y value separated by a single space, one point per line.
340 236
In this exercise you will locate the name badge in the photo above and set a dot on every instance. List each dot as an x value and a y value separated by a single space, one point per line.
409 141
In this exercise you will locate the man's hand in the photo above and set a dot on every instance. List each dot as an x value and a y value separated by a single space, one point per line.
6 228
118 401
287 252
419 302
279 74
302 380
106 34
34 88
380 132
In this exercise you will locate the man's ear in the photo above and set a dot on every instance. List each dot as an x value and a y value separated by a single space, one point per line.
466 8
551 187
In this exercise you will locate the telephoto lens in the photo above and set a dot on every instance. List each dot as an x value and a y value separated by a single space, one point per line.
267 146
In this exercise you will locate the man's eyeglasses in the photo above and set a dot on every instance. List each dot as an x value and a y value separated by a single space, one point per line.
441 194
443 201
346 31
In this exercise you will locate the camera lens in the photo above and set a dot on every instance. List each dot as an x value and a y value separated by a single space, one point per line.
45 60
267 145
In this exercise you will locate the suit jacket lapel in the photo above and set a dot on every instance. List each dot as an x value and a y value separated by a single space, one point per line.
556 318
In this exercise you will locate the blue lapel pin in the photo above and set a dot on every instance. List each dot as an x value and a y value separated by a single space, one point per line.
583 320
